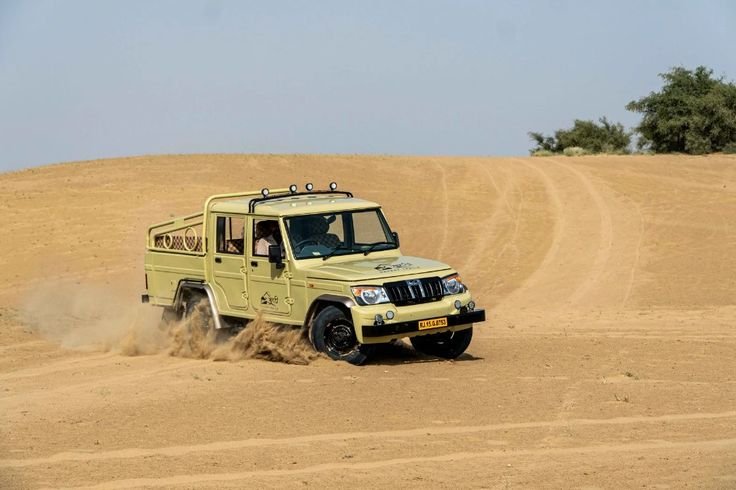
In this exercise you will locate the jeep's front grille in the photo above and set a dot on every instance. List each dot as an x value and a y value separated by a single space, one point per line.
414 291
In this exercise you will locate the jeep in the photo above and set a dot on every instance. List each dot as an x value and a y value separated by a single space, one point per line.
330 265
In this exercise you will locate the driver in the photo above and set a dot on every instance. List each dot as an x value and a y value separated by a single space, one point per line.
317 230
312 230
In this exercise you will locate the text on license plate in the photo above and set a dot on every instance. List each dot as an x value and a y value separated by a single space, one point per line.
433 323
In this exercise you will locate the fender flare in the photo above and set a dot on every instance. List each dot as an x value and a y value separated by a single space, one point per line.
199 286
326 299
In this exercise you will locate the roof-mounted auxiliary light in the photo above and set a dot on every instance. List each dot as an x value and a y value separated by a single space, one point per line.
333 186
292 188
309 187
264 192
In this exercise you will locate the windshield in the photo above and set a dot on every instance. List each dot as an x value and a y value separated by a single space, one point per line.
348 232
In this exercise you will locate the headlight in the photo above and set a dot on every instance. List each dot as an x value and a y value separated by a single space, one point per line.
453 285
370 295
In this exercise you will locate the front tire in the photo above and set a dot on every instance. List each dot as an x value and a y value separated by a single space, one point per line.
332 333
447 345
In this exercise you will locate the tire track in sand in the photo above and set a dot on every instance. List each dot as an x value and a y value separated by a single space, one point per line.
480 247
568 273
557 231
173 451
88 361
605 234
637 258
709 444
40 394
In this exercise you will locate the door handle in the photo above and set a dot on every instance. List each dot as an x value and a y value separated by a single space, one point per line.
218 260
253 263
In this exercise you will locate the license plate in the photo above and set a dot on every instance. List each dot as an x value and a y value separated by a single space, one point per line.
433 323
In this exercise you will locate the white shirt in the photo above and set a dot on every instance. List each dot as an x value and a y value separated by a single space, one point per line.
262 244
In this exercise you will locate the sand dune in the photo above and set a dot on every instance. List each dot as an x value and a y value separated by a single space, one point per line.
607 360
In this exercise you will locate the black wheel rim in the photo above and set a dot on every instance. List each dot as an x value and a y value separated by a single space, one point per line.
340 338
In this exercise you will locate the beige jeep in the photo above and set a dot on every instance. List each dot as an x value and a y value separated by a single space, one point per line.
330 264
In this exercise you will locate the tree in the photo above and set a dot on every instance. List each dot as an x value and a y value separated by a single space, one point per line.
601 137
544 143
693 113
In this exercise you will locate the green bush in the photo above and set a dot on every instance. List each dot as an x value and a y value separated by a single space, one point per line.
730 148
543 153
591 137
574 151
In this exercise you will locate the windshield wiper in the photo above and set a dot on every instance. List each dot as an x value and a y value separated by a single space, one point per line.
374 245
332 252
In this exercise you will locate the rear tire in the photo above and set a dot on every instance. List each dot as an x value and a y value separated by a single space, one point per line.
332 333
447 345
200 321
169 316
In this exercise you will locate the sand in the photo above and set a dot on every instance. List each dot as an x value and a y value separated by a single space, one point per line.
608 359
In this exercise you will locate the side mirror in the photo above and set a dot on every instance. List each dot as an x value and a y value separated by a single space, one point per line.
396 238
274 256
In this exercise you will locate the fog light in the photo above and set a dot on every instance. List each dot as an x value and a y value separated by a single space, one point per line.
390 315
333 186
471 305
309 187
264 192
292 188
379 319
457 304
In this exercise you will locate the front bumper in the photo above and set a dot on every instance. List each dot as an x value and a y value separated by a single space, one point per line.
409 327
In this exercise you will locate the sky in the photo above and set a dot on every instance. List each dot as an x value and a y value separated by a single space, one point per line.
92 79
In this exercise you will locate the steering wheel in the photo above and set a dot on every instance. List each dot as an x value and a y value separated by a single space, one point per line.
300 245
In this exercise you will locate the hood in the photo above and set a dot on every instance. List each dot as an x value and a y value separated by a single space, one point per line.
378 268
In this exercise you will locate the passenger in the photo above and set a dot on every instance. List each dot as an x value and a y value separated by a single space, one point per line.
235 246
276 233
267 233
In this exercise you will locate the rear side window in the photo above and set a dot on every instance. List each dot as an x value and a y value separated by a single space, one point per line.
230 235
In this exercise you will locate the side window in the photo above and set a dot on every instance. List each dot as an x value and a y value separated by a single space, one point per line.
230 233
266 232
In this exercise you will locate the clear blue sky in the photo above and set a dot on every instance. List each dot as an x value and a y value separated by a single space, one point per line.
91 79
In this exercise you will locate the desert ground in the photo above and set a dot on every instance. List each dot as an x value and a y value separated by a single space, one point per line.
608 359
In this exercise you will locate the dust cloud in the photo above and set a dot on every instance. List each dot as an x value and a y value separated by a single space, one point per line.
196 337
95 319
